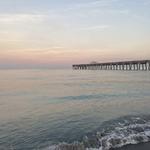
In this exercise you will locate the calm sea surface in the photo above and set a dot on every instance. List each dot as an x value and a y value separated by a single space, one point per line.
45 109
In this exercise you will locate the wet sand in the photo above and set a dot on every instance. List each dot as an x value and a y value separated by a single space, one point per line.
143 146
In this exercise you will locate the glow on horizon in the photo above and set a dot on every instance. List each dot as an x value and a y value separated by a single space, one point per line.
59 33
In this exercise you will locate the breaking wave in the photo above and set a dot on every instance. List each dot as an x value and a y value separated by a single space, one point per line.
112 134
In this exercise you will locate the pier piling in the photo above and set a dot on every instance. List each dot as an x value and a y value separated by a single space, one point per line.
143 65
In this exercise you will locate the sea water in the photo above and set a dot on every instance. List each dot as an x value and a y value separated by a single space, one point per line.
73 109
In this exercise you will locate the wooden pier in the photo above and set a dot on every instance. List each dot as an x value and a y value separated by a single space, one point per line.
143 65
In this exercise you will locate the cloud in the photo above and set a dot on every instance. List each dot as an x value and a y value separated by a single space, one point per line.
96 3
94 8
97 27
15 18
53 49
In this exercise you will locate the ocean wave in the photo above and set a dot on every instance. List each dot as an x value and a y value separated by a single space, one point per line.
112 134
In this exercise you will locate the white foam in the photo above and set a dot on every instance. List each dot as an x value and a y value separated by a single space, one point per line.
125 135
118 137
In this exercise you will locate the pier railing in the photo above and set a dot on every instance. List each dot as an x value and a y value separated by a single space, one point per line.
143 65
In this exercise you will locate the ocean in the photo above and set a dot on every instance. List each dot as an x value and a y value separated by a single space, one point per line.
74 110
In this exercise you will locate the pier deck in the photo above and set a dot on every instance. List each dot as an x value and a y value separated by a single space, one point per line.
143 65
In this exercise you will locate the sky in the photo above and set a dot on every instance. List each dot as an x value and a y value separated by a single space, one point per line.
59 33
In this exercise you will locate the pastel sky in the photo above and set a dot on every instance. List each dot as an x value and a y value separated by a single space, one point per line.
59 33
